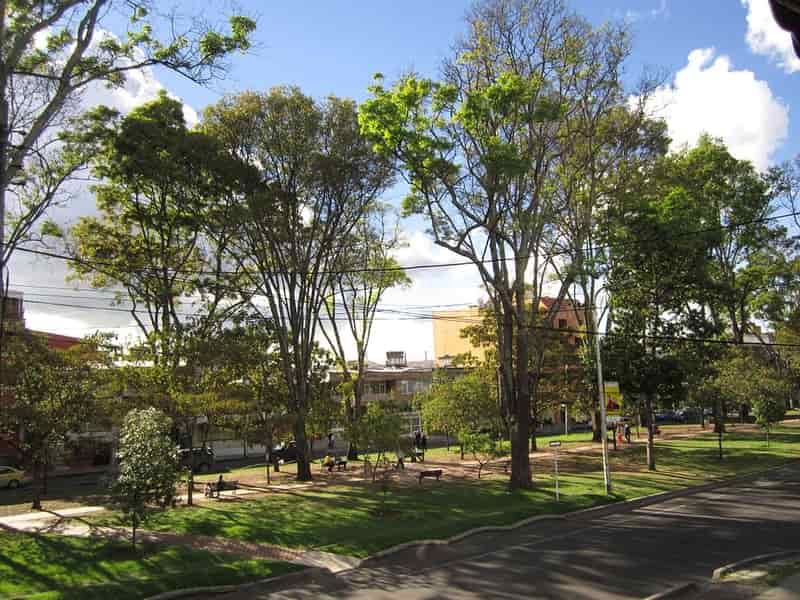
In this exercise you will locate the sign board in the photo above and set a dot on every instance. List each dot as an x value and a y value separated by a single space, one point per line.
554 444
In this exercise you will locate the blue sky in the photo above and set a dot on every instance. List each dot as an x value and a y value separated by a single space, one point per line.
727 70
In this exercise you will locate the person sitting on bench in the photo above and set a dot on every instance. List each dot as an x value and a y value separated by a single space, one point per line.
328 462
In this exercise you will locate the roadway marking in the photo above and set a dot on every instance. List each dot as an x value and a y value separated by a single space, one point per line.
673 513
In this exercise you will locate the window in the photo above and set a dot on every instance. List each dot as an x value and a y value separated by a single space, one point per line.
405 387
378 388
562 323
422 386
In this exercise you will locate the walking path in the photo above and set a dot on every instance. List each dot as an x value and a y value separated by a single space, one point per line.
65 522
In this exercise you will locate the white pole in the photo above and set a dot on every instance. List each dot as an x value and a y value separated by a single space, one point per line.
602 398
556 464
566 420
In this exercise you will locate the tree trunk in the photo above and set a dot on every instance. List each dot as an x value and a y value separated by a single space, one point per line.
534 445
134 524
520 426
651 450
267 454
596 431
190 487
37 488
303 459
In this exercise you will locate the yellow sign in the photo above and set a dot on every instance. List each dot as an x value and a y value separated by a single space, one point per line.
613 397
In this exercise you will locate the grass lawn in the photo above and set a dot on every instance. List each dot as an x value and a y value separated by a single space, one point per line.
49 567
346 519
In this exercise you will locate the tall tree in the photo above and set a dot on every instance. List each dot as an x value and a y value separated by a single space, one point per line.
166 201
367 270
658 265
52 50
482 151
318 178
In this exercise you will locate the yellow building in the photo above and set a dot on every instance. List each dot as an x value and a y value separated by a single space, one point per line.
448 324
447 340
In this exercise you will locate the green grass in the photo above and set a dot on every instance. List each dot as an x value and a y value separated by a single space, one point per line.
347 519
49 567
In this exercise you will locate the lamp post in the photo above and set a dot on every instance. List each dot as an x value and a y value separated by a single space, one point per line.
566 418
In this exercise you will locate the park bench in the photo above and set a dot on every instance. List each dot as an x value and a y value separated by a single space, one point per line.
213 488
437 473
339 464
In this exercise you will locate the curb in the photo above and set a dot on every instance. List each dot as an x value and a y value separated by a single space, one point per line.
670 494
302 575
460 536
631 503
754 560
611 507
675 592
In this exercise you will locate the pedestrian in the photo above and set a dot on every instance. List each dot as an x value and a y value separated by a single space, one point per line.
424 442
400 456
330 441
417 439
628 432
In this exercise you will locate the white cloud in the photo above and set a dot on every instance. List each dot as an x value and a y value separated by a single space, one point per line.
709 96
660 10
765 37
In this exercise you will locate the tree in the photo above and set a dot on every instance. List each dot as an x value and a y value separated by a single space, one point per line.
52 51
318 178
379 431
166 198
46 395
148 468
748 249
483 151
367 271
483 447
457 404
657 268
747 378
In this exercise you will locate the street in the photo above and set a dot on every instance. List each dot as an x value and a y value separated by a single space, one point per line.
624 553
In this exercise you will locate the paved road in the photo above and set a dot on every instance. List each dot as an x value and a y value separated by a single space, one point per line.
624 554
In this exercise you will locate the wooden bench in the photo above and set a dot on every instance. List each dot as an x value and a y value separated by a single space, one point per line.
213 488
437 473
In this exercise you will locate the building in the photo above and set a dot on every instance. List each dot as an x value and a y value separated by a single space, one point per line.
448 329
397 380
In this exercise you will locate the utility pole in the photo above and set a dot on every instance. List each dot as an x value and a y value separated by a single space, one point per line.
602 397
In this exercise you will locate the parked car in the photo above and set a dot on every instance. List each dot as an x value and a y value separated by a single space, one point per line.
286 452
199 459
11 477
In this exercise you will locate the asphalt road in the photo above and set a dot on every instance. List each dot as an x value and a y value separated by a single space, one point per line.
625 553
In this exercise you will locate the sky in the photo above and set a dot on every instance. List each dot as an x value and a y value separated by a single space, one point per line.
727 69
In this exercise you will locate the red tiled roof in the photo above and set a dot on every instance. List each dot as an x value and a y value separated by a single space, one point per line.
56 340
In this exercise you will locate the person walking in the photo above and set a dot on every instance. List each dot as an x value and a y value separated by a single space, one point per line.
628 432
330 441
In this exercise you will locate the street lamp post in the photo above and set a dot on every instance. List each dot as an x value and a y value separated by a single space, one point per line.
566 419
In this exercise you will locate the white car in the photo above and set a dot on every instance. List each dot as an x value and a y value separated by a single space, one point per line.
12 477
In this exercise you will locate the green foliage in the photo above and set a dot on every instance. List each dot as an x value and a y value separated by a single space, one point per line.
48 393
52 51
378 430
322 177
457 404
483 447
148 465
